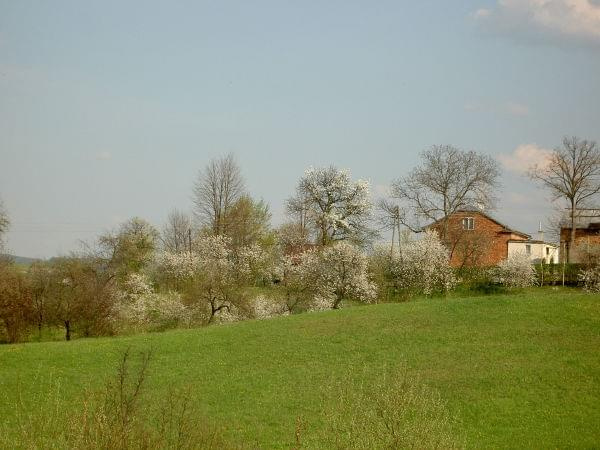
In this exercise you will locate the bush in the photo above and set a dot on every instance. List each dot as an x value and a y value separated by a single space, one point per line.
396 411
590 279
141 306
477 281
516 272
119 417
420 267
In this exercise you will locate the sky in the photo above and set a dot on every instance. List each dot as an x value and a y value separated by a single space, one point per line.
109 109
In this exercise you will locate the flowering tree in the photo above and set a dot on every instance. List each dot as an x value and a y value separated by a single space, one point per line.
141 305
590 279
516 271
296 280
211 274
422 266
254 264
332 204
336 273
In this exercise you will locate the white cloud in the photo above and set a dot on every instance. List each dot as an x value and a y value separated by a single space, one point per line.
579 19
524 157
103 156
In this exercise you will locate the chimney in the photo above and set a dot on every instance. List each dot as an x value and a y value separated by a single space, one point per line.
541 233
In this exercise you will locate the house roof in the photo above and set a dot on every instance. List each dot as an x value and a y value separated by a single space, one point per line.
506 229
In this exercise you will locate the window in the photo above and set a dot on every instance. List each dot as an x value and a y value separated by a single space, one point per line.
468 223
528 249
547 251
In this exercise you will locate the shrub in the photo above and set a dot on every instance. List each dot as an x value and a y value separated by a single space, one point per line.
395 411
265 308
517 271
590 279
141 306
336 273
421 267
119 417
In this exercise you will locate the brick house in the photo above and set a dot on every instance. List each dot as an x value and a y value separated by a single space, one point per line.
587 236
476 239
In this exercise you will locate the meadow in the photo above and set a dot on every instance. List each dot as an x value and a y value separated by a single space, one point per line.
514 370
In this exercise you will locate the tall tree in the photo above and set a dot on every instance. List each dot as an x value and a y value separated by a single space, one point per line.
15 302
249 222
571 173
81 295
130 248
332 204
448 180
216 190
176 233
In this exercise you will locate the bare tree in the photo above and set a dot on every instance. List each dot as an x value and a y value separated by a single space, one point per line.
216 190
176 234
448 180
571 173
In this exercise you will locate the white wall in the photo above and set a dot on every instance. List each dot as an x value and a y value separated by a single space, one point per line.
538 251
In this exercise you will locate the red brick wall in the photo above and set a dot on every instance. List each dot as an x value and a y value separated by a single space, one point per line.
485 245
581 234
584 237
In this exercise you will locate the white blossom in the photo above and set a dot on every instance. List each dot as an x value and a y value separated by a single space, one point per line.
335 206
140 305
590 279
336 273
266 308
516 271
422 266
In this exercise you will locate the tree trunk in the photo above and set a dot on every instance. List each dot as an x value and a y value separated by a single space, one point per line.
570 250
67 330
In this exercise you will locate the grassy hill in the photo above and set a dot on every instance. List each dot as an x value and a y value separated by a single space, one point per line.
517 370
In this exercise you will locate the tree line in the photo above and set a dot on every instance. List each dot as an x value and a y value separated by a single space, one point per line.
226 261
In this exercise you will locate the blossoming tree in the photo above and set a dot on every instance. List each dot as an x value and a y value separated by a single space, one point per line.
422 266
334 205
336 273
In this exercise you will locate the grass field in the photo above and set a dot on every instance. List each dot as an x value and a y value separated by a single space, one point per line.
519 370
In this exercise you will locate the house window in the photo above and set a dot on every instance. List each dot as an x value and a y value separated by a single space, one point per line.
468 223
547 251
528 249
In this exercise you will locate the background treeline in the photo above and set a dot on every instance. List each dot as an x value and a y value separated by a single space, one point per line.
226 262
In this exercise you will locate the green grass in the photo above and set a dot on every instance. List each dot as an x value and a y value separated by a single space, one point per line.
518 370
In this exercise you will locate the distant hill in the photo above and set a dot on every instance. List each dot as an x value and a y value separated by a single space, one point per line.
22 259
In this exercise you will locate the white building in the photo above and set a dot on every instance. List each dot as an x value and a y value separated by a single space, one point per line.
538 250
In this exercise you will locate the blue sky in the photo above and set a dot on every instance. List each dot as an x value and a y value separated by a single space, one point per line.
109 109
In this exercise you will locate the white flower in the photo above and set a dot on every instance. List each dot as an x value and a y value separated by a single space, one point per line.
516 271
